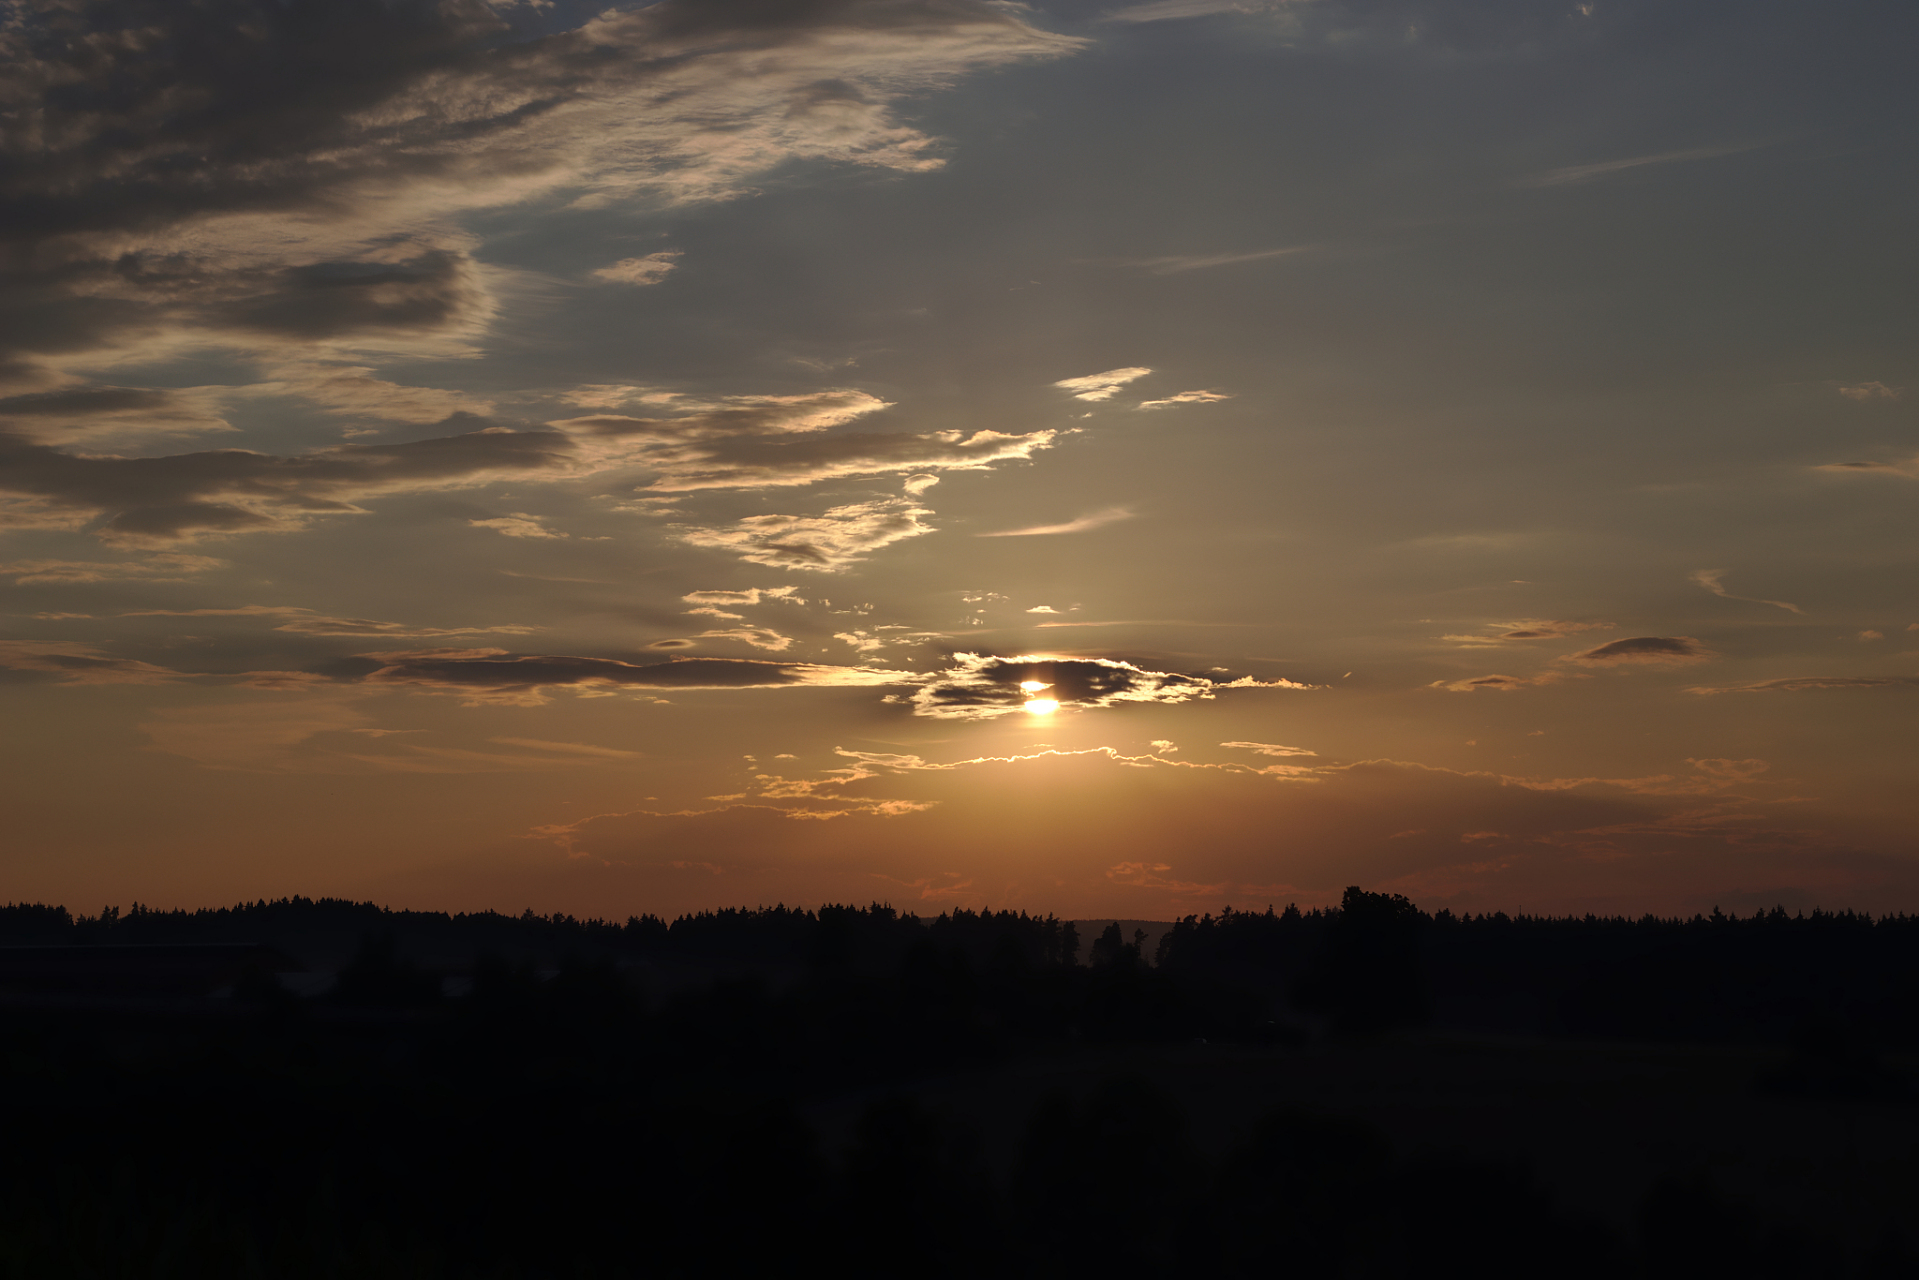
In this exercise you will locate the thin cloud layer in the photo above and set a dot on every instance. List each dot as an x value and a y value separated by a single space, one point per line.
1093 520
1797 684
306 622
493 675
154 502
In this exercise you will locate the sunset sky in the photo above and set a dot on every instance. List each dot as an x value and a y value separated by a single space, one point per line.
1081 457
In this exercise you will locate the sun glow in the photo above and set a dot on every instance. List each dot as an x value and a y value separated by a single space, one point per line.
1033 686
1042 706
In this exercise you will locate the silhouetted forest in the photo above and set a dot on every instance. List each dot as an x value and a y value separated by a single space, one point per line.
325 1088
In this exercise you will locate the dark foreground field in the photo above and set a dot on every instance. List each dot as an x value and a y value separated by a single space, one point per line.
1366 1092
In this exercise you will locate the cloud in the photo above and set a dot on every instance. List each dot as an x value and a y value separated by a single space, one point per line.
1908 468
758 637
304 180
161 567
492 675
1531 629
827 543
1498 683
1268 749
95 413
517 525
1176 263
749 442
69 662
1580 173
752 595
1871 391
154 501
287 188
1710 580
1100 386
1186 397
1648 650
1795 684
1110 515
651 269
308 623
1172 10
980 686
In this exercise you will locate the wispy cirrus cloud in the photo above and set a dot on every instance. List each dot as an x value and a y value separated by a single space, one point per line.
1799 684
70 662
1572 175
1530 629
1173 10
1267 749
307 622
1173 264
1712 580
165 566
1080 524
1186 397
494 675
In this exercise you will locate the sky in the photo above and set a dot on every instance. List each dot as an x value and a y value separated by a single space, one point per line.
1087 457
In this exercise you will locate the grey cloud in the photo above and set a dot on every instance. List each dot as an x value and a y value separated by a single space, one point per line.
1652 650
981 686
308 623
1496 682
70 662
1795 684
253 172
1172 10
493 675
157 500
1531 629
160 567
92 412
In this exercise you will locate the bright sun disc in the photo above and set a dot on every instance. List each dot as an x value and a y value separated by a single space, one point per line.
1033 686
1042 706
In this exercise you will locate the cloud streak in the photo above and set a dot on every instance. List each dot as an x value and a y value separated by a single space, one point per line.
1710 579
1093 520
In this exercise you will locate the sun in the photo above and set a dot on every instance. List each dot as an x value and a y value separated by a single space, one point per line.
1042 706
